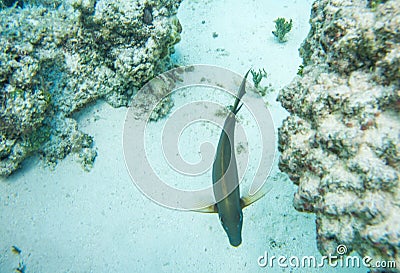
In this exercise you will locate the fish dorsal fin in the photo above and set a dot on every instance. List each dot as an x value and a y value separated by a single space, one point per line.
209 209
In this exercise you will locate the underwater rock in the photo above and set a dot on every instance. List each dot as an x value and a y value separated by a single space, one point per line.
57 57
340 144
10 3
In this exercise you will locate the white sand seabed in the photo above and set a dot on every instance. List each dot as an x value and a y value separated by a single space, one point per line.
69 220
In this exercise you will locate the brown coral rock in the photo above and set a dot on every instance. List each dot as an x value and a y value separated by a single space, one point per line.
340 143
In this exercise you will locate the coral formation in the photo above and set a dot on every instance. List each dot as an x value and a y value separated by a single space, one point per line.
340 144
282 27
57 57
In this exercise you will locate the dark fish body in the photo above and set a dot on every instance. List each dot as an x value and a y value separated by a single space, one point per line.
228 202
225 177
226 182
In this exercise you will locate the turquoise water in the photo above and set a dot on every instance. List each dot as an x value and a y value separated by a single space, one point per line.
67 220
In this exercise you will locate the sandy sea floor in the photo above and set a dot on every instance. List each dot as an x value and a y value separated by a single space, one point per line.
69 220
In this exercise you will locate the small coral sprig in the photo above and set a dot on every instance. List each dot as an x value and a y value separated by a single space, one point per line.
257 77
282 27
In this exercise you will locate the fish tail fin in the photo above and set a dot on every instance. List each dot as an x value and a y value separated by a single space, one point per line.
237 110
242 91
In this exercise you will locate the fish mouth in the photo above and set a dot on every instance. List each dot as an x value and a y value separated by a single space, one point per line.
235 242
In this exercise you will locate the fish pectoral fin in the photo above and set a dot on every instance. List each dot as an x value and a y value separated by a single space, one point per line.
209 209
255 193
250 199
